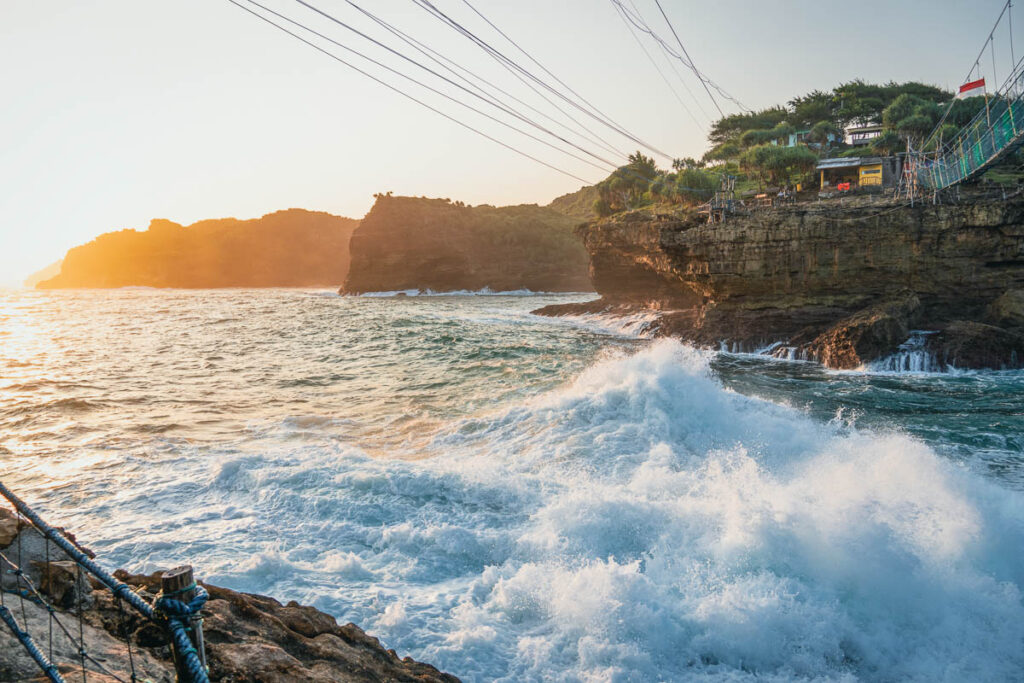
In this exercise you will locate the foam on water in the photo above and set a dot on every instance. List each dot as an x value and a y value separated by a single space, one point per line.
644 523
513 498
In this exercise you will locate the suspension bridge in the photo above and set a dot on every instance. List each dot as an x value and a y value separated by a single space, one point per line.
994 133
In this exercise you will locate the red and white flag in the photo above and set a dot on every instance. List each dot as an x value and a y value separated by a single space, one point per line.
972 89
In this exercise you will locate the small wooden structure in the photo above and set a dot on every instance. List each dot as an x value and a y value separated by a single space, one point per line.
722 203
859 172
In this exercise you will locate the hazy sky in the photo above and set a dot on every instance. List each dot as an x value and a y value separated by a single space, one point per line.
118 111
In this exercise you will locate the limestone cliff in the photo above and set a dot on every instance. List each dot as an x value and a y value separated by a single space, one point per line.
291 248
419 243
843 283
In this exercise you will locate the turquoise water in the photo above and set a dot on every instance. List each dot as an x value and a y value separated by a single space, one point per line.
518 498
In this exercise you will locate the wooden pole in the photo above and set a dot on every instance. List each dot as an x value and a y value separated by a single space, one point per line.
179 583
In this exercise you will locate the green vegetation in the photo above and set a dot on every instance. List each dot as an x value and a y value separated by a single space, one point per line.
641 182
815 121
780 146
777 165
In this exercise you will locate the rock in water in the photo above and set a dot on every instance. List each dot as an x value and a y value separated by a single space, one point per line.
866 335
966 344
1008 310
820 276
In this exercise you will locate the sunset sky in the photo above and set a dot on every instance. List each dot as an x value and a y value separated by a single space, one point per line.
116 111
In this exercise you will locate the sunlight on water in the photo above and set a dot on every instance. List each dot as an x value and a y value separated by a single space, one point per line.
518 498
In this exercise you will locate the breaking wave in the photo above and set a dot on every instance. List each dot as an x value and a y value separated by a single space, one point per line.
518 498
645 523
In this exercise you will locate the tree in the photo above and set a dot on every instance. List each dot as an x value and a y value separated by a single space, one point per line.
859 102
732 126
723 152
626 186
888 143
812 108
962 111
642 165
695 185
683 164
911 117
778 165
825 133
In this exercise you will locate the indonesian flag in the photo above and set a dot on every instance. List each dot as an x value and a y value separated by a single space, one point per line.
972 89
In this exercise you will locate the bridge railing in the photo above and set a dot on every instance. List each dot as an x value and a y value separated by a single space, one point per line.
168 611
994 131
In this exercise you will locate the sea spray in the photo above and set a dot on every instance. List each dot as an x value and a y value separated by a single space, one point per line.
644 523
515 498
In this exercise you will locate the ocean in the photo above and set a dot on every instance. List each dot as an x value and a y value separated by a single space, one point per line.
517 498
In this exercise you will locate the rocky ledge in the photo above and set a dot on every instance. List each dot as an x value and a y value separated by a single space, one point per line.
248 637
844 284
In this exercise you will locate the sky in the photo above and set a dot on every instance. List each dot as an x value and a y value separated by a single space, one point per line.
119 111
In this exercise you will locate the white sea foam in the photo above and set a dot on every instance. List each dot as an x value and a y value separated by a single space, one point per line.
644 523
453 480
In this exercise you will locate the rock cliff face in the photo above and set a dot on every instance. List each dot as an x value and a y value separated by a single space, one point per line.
291 248
419 243
842 284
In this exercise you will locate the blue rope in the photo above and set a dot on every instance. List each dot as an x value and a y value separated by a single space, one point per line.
170 607
30 645
119 589
178 615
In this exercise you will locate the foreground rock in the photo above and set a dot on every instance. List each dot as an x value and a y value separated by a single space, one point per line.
843 284
293 248
435 244
248 637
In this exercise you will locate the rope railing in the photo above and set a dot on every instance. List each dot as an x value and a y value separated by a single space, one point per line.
33 593
171 614
995 131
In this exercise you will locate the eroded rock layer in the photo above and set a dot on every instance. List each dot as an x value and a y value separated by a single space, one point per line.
845 283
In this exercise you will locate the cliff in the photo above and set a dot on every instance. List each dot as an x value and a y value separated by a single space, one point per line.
291 248
420 243
843 284
46 273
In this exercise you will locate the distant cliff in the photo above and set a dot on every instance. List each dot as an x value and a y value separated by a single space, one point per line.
289 248
840 284
420 243
46 273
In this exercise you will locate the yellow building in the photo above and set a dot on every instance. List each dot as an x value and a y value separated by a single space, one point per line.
858 172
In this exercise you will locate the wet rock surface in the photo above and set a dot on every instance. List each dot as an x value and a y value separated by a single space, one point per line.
842 283
248 637
864 336
968 344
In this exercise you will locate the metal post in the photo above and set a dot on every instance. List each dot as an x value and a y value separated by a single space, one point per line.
180 583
